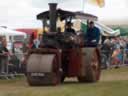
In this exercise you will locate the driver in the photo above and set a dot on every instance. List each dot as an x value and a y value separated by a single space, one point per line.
93 33
69 28
69 33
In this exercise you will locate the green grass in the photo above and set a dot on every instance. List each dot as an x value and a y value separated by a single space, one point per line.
114 82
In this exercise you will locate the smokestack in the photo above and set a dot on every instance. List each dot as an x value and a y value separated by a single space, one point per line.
52 16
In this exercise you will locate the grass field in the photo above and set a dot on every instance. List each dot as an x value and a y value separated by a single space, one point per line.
114 82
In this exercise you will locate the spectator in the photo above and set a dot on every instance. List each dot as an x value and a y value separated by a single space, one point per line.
0 44
116 57
38 41
31 42
122 43
4 45
4 56
1 57
106 50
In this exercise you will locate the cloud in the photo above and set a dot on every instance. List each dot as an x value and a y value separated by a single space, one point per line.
39 3
18 14
113 10
22 13
43 4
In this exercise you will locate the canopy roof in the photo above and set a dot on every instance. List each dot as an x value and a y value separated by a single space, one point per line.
63 14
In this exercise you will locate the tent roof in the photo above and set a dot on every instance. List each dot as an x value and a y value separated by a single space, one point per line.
9 32
107 31
27 30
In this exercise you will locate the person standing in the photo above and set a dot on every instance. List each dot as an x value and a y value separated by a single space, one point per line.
69 28
93 34
1 57
31 44
37 41
4 56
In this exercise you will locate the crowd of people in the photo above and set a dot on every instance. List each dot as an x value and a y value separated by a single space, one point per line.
115 48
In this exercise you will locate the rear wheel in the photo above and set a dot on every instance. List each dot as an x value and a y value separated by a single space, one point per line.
92 67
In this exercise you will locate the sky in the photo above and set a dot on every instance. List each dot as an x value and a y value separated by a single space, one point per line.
22 13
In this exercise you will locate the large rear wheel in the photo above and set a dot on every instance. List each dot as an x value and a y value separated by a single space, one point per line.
92 66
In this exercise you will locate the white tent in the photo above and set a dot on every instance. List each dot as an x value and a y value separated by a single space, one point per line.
107 31
15 36
9 32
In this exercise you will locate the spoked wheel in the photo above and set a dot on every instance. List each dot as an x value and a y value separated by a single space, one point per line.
92 66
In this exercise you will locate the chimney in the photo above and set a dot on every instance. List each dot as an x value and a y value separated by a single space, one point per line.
52 16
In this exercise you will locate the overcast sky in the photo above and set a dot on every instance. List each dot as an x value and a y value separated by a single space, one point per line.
22 13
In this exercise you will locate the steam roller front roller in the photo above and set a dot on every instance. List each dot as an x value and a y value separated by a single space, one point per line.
42 69
90 71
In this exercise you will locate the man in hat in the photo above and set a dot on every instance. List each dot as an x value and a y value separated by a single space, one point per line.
93 33
69 28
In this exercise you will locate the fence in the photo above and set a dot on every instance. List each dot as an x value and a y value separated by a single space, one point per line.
4 64
10 66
